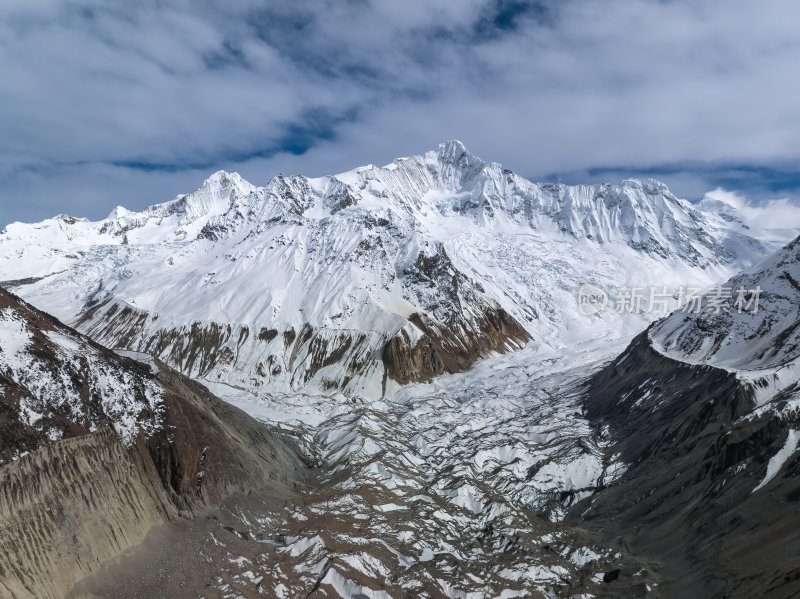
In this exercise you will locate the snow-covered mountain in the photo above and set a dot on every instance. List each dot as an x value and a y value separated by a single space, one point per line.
757 326
368 279
550 471
754 334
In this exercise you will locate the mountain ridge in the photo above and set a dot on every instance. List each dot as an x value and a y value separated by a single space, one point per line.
450 167
704 409
442 257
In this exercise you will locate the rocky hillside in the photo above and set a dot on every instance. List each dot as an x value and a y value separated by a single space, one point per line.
366 280
705 408
97 448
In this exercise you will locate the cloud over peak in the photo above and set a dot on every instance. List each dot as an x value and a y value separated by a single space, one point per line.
109 102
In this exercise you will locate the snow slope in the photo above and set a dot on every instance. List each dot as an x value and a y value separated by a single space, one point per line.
369 279
56 384
759 341
746 337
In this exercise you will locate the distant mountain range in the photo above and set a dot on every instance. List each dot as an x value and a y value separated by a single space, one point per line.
370 279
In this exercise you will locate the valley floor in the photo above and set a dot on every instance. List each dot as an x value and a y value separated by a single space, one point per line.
456 488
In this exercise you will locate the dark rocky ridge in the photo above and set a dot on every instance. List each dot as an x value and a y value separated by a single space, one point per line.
687 502
68 420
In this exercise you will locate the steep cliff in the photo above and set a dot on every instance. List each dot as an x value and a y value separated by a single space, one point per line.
67 507
711 495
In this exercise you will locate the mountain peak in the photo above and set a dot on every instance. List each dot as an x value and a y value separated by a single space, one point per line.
454 150
118 212
455 163
349 254
454 144
648 185
216 194
222 178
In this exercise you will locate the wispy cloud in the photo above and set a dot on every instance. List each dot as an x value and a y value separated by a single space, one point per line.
106 102
776 218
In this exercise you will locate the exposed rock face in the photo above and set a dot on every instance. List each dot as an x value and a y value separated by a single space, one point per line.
258 359
705 408
699 449
68 507
209 449
441 350
119 446
456 328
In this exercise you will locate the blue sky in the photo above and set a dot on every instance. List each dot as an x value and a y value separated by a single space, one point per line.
109 102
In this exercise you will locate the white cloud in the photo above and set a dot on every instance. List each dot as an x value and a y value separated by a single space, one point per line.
778 218
200 85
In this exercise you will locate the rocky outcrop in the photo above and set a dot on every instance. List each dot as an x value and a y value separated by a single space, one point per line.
458 325
441 350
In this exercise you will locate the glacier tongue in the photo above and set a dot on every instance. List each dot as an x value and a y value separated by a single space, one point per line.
456 488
